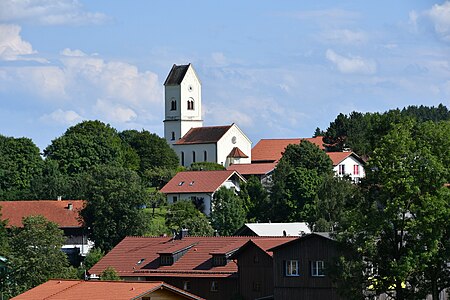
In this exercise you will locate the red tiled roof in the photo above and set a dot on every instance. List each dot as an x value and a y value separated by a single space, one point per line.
265 244
271 150
53 210
97 290
203 135
196 262
197 181
253 169
237 153
337 157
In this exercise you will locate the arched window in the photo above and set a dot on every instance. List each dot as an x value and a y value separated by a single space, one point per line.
182 158
173 136
205 156
190 104
193 156
173 105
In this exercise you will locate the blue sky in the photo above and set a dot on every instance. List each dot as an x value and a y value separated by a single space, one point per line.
276 68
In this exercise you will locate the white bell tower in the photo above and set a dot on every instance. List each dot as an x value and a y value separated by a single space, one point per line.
183 102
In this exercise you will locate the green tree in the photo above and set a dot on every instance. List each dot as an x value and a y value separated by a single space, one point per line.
85 145
20 161
51 183
255 199
109 274
114 209
405 206
228 213
94 256
183 215
206 166
36 255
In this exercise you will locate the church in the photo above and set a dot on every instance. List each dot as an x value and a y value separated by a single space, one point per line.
183 124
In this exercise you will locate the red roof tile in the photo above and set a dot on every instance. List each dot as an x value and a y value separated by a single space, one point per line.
337 157
197 181
203 135
97 290
196 262
53 210
271 150
237 153
253 169
264 244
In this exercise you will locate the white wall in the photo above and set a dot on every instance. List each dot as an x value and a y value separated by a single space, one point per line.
225 145
349 162
199 149
187 197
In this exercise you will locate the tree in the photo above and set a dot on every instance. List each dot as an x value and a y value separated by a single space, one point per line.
20 161
109 274
255 199
85 145
206 166
228 213
398 232
153 151
94 256
183 215
36 254
114 209
51 183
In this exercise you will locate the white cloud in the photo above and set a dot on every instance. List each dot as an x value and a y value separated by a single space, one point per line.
48 12
352 64
60 116
76 52
114 112
12 47
344 36
440 16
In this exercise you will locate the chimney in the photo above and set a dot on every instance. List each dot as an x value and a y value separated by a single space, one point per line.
59 198
70 206
184 233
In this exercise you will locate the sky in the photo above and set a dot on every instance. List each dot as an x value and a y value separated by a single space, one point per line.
278 69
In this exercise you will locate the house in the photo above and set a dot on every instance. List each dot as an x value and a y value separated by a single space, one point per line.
255 267
274 229
200 186
200 265
263 171
65 213
348 164
271 150
183 124
59 289
300 268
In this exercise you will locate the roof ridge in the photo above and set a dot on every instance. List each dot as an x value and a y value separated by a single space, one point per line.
63 290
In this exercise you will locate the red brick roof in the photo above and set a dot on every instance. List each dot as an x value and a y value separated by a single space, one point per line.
196 262
53 210
237 153
253 169
264 244
197 181
271 150
56 289
203 135
338 157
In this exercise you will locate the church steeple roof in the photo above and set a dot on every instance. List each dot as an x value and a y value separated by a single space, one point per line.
176 74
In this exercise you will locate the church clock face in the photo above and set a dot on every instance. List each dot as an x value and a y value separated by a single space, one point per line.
233 140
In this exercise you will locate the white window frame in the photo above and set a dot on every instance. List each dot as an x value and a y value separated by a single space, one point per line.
317 268
291 268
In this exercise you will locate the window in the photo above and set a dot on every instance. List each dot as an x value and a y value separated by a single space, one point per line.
173 136
174 199
182 158
173 105
355 169
219 260
205 156
193 156
341 169
214 286
190 104
186 285
180 183
256 286
317 268
166 260
292 268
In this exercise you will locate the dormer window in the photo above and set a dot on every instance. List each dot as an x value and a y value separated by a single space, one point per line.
181 183
219 260
191 183
165 260
173 105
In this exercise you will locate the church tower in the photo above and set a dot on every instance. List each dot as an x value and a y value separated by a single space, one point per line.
183 102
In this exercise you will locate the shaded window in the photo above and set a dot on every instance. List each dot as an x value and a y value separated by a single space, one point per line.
182 158
256 286
219 260
193 156
186 285
166 260
173 136
292 268
190 104
317 268
174 199
173 105
205 156
214 286
341 169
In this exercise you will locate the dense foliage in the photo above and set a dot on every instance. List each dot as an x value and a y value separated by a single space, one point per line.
184 215
228 213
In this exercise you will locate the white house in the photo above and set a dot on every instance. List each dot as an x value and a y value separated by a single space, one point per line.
183 124
200 186
348 164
